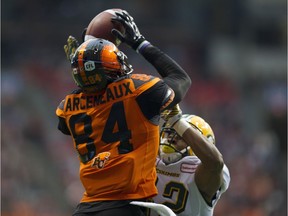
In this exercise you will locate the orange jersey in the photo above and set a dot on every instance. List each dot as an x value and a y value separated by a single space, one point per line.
116 135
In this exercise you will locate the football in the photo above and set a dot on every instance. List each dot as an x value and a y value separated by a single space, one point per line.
101 26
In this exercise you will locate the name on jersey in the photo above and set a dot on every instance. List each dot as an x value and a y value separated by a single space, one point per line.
89 101
167 173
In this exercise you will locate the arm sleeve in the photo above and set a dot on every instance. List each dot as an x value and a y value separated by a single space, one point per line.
151 101
172 74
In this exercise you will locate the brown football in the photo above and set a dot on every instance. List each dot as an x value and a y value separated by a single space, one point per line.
101 26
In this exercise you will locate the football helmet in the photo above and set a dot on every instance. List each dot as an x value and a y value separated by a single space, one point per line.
98 62
169 152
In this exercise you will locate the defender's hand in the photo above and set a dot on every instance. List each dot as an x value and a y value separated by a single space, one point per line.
132 37
70 47
171 116
177 121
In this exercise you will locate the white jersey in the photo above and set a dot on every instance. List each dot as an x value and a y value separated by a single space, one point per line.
177 188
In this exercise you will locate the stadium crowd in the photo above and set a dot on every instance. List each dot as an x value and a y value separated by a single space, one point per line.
241 93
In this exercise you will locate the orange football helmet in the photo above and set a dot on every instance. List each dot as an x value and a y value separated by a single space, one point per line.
98 62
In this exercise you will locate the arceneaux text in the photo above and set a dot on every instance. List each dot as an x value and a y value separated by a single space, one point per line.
89 101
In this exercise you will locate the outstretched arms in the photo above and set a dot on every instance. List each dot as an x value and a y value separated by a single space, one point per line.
172 73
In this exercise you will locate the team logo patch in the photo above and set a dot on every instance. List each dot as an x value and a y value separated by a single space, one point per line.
100 160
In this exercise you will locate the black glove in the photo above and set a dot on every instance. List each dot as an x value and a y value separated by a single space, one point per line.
83 34
132 37
70 47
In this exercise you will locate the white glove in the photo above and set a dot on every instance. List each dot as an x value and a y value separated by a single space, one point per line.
159 208
171 116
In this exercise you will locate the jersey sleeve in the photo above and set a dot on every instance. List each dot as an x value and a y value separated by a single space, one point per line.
224 186
226 179
62 126
60 109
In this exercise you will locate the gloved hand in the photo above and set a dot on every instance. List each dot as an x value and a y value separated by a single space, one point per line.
132 37
83 34
171 116
70 47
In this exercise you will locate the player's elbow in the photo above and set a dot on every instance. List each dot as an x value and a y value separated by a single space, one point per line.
216 162
213 161
185 84
180 88
189 81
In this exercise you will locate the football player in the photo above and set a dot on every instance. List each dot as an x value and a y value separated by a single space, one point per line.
191 172
113 119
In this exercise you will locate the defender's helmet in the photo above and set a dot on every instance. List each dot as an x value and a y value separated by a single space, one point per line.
168 151
98 62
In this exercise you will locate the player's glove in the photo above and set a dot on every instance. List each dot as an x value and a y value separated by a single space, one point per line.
70 47
171 116
83 34
132 37
176 121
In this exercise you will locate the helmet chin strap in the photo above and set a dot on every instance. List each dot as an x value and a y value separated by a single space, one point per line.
169 158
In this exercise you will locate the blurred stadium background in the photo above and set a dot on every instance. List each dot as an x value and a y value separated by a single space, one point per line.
234 51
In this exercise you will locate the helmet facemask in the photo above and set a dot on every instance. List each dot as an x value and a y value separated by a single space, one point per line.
168 151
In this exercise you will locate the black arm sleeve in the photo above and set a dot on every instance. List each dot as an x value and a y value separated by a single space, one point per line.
172 74
151 101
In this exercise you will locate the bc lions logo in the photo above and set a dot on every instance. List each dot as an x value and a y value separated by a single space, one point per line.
100 160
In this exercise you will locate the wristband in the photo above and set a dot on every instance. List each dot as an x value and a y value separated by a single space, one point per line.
142 45
181 126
